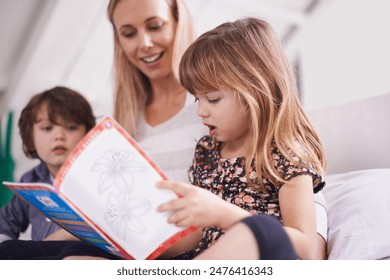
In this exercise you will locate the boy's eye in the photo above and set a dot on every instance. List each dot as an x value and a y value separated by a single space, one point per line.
46 128
72 126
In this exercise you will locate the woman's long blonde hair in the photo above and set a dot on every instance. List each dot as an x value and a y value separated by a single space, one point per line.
132 87
246 57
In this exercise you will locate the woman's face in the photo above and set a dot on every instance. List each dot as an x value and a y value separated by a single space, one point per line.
146 32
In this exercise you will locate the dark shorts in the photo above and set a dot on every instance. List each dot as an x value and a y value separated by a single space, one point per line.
272 240
49 250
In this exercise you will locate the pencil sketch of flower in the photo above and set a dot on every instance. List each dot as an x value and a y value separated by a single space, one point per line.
117 168
124 214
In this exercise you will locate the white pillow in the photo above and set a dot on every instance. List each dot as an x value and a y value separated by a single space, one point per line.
358 214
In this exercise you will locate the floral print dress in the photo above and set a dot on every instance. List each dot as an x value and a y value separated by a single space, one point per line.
226 178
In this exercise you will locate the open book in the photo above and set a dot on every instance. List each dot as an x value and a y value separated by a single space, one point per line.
105 193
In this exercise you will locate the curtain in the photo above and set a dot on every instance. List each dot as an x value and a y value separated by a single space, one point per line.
7 163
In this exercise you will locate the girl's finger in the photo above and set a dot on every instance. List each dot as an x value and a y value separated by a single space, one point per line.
177 217
184 223
172 205
178 188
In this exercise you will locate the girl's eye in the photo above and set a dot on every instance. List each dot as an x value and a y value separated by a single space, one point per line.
213 101
196 99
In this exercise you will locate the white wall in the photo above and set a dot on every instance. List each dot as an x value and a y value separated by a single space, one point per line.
73 48
345 54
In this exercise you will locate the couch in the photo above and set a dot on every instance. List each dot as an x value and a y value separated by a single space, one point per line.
356 139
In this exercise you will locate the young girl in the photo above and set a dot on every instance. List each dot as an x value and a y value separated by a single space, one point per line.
262 156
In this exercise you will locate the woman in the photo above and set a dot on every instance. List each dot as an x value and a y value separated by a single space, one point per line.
149 39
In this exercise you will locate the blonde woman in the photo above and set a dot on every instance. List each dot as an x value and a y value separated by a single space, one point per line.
150 37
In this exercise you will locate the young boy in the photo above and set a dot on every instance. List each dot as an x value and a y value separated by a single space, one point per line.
50 125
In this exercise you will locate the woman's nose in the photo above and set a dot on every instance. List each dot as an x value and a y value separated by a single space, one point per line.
146 41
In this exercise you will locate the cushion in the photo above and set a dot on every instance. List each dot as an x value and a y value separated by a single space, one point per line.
355 135
358 214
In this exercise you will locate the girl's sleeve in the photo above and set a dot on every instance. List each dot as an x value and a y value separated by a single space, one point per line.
289 169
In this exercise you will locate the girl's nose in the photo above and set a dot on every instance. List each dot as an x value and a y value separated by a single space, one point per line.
202 110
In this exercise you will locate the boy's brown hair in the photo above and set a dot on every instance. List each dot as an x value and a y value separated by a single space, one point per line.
62 104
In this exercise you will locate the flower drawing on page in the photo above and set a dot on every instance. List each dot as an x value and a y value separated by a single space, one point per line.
124 214
117 168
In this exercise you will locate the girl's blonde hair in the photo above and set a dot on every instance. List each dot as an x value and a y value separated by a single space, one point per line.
132 87
246 57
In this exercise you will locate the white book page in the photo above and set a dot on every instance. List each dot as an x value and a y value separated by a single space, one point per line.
114 185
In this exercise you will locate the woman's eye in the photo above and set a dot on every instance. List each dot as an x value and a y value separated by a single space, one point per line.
155 27
128 34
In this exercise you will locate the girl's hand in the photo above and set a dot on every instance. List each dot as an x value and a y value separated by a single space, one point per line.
199 207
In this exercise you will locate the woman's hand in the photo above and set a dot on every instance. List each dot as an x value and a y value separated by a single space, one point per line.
199 207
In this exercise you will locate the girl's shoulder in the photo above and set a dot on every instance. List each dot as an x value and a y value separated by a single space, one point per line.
292 166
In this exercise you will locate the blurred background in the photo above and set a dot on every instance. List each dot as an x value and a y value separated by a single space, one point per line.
340 50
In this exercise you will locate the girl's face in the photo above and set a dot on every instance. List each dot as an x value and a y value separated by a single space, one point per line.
224 116
54 142
146 32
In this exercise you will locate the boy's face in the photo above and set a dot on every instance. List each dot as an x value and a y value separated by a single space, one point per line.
54 142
